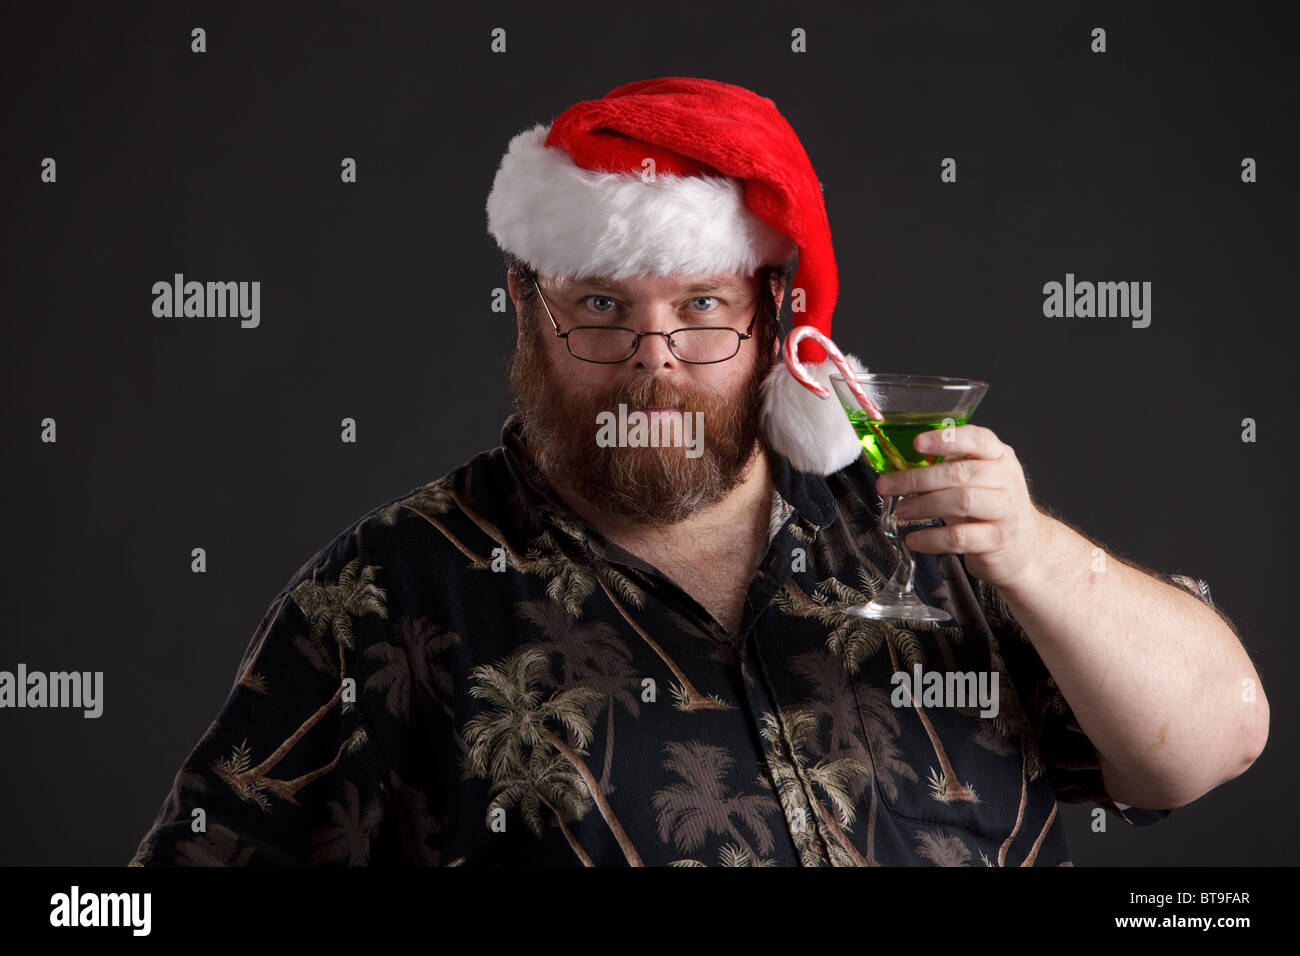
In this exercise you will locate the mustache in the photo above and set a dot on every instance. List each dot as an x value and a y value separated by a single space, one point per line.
652 391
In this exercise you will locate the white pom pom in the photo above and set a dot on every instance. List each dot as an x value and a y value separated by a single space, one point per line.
813 433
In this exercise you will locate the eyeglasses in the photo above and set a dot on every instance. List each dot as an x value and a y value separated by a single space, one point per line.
609 344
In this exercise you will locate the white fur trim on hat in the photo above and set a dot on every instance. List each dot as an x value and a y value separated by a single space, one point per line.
572 222
813 433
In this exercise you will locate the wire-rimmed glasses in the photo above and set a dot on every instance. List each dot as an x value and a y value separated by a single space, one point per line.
609 344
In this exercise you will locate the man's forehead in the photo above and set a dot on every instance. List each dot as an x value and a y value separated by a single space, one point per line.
702 282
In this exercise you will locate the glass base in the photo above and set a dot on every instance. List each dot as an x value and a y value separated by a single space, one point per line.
898 607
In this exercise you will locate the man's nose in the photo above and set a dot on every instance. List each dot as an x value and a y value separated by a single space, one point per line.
653 352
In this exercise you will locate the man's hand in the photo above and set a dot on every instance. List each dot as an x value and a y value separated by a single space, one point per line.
979 490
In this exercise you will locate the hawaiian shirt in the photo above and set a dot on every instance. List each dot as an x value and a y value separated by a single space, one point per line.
472 675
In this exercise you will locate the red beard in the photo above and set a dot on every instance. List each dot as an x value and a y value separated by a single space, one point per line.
646 484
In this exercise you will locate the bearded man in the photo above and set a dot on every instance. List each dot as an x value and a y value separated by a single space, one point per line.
572 650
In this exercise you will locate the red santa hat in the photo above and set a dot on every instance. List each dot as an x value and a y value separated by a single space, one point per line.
679 175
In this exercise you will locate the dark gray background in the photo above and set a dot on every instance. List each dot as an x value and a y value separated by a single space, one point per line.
376 298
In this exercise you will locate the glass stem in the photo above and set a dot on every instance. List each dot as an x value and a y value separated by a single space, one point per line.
901 582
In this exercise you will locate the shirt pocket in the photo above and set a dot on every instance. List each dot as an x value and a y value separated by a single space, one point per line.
936 761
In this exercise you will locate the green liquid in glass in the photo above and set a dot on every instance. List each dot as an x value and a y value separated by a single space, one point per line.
901 429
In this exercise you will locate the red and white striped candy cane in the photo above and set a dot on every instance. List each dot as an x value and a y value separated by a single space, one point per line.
790 354
791 351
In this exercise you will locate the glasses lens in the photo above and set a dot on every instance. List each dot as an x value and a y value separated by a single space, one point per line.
601 345
705 345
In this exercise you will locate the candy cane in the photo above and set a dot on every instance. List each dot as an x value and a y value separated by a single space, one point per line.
801 332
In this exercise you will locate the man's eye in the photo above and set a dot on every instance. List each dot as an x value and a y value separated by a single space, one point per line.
705 298
600 298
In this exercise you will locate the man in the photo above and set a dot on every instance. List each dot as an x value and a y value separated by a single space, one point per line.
589 647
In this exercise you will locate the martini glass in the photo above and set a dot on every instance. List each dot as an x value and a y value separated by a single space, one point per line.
910 404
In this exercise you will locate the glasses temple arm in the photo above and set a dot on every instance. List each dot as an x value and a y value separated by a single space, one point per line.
548 310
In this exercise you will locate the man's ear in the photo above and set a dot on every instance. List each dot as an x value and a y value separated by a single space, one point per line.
778 295
512 286
777 279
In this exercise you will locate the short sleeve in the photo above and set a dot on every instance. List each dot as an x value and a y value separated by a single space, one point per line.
1064 751
288 772
1197 587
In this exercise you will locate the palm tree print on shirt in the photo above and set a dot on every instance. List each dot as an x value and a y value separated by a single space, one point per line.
514 742
571 579
329 608
700 805
855 638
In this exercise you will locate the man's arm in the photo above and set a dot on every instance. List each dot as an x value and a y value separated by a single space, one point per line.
1158 682
287 773
1157 679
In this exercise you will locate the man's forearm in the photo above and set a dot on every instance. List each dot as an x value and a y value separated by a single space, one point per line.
1158 682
